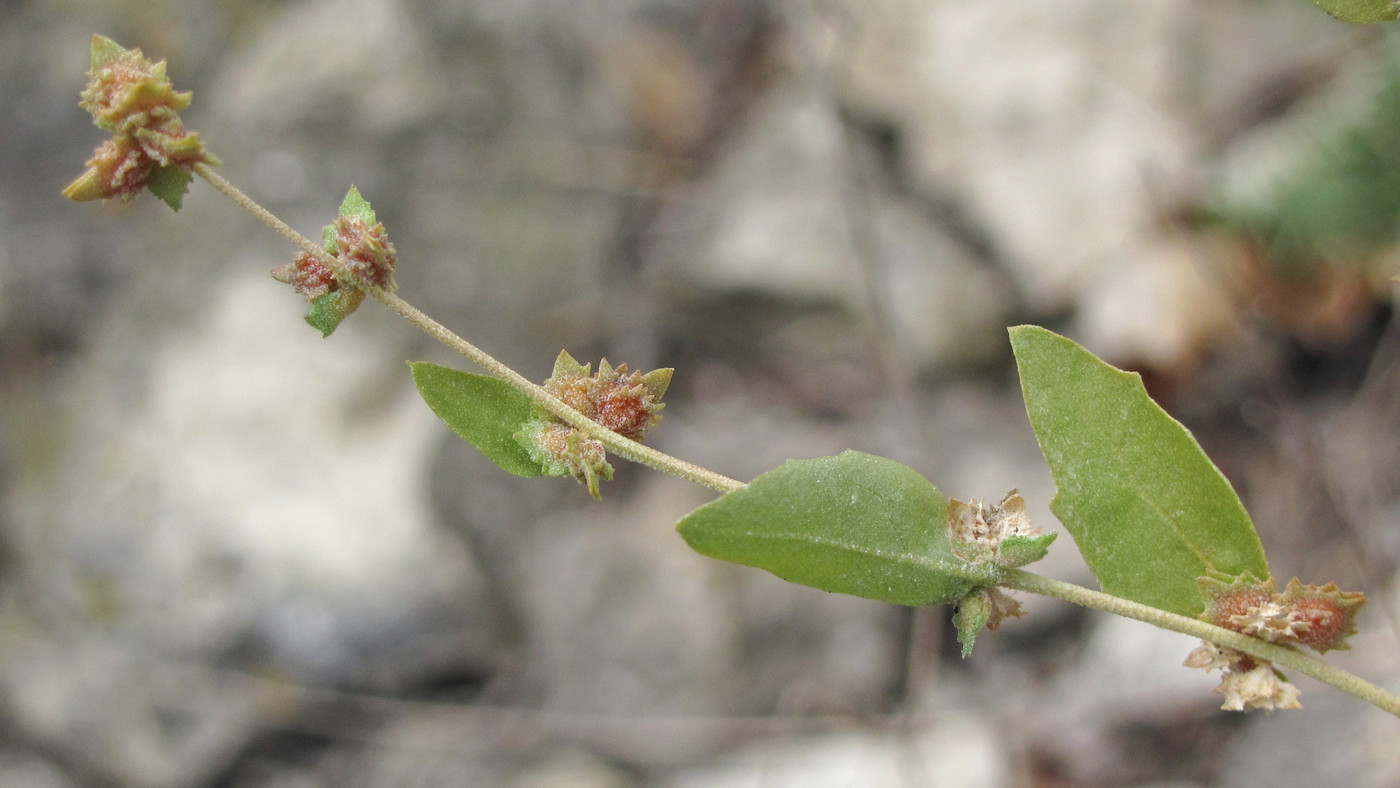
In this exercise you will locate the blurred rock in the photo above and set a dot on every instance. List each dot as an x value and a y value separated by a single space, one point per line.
246 489
961 750
21 769
1055 130
1340 740
772 216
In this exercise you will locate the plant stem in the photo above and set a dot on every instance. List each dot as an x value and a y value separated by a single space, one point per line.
1282 656
617 444
268 218
624 447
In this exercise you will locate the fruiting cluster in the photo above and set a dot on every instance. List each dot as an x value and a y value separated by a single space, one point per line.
1320 617
133 99
626 403
361 244
1002 535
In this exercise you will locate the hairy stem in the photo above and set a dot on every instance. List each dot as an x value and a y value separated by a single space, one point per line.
1281 656
617 444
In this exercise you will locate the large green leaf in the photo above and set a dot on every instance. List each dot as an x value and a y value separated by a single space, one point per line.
1148 509
485 411
1360 11
853 524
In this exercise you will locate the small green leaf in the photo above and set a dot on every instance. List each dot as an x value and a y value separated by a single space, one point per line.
1361 11
329 309
104 51
169 183
1148 509
357 206
973 612
484 410
1018 550
852 524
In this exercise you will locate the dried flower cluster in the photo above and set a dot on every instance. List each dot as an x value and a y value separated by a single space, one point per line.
1003 534
626 403
133 99
1247 683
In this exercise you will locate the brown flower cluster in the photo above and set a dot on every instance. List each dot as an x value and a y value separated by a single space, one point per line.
1320 617
626 403
360 243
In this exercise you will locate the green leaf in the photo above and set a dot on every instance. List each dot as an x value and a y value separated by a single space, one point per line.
329 309
484 410
169 183
973 612
852 524
104 51
357 206
1017 550
1361 11
354 205
1148 509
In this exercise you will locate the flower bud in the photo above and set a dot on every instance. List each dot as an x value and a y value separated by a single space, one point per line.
308 276
126 90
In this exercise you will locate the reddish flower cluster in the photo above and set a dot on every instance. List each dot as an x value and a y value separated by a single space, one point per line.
365 250
308 276
132 98
626 403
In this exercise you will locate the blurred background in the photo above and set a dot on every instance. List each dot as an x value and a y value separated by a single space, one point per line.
233 553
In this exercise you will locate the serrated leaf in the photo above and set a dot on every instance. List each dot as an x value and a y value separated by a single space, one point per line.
1361 11
1146 507
852 524
169 183
484 410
